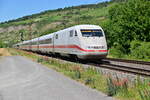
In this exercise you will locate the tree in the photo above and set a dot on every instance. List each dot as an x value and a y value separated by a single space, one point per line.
2 44
130 21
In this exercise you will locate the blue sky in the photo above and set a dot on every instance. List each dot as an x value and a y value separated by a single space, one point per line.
12 9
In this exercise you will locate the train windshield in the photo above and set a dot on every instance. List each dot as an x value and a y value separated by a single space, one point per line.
91 32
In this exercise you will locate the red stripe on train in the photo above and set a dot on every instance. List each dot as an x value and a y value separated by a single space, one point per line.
68 46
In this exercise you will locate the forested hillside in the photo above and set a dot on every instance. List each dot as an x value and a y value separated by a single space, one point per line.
126 24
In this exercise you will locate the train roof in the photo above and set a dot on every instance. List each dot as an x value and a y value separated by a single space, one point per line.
84 26
45 36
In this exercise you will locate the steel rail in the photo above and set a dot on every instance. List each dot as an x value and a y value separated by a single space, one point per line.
128 61
133 70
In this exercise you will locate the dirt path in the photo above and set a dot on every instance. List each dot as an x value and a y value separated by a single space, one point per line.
4 52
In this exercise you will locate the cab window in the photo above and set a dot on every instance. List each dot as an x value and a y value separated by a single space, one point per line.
91 32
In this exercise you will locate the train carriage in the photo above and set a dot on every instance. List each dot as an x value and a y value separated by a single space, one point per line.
82 41
45 44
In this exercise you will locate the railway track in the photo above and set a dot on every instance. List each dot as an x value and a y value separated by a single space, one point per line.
128 61
136 67
143 69
137 71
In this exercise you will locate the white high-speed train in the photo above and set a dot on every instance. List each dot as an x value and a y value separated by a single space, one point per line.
82 41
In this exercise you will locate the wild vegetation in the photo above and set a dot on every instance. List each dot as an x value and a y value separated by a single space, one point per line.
129 29
121 88
125 22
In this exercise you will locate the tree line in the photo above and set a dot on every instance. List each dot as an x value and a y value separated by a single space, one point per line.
128 28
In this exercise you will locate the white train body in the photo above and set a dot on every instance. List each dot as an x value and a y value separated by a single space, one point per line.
83 41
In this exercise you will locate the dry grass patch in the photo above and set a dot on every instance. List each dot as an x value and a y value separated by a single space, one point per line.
4 52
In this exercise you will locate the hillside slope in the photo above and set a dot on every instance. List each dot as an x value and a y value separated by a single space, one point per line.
52 20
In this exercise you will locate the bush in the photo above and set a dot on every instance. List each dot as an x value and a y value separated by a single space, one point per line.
2 44
39 60
130 21
111 89
143 88
115 86
117 51
140 49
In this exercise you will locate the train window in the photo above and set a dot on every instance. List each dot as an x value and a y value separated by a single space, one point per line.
27 44
56 36
33 43
76 33
47 41
91 33
71 33
50 40
40 42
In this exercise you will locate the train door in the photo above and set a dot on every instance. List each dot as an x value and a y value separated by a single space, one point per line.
38 45
53 38
55 43
71 42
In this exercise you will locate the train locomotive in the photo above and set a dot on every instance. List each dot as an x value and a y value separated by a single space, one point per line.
81 41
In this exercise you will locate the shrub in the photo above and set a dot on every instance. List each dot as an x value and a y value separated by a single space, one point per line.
116 86
91 76
39 60
143 88
144 94
111 89
77 70
140 49
46 59
117 51
77 74
90 81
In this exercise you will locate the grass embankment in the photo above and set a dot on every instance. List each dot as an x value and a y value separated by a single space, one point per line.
119 88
